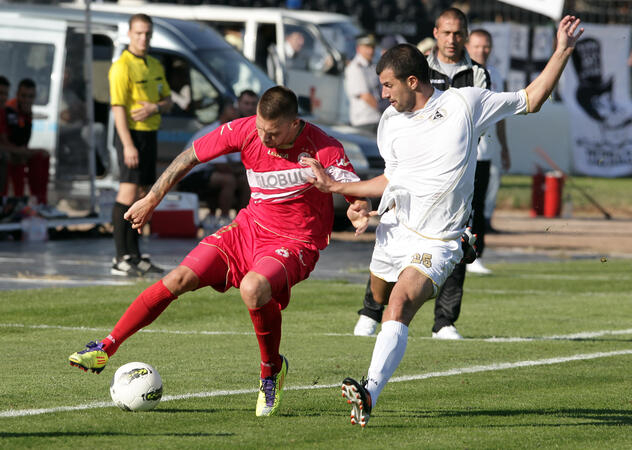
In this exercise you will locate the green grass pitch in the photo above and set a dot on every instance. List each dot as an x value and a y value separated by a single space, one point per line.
546 363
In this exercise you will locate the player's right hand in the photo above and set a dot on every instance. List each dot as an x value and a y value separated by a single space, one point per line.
140 212
130 156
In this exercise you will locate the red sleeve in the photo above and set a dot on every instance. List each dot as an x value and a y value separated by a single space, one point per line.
335 161
227 138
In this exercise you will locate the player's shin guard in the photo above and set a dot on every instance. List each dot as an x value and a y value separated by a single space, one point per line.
388 352
267 323
143 311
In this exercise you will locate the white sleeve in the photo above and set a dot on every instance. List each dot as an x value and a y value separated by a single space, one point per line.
385 148
490 107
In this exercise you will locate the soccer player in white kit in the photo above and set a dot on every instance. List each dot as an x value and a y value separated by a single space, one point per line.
428 140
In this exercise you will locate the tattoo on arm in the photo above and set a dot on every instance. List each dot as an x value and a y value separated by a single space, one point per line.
178 168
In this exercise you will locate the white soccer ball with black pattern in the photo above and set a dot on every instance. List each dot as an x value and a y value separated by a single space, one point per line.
136 386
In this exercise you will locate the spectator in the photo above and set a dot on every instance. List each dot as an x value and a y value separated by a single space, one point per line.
25 162
139 93
493 144
295 57
180 85
73 128
247 103
363 87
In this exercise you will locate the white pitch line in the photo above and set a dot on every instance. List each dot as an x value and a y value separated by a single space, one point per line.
560 337
223 393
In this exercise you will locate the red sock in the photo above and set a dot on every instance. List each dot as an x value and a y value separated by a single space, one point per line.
267 323
143 311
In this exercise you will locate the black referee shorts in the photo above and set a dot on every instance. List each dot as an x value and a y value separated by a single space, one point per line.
146 142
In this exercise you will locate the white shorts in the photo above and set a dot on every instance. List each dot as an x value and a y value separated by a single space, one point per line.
398 247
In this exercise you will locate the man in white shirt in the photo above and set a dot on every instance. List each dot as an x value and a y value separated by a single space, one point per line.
362 87
428 140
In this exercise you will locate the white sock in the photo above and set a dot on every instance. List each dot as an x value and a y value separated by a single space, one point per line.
388 352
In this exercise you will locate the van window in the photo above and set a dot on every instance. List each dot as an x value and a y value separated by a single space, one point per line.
234 71
192 94
304 50
342 36
28 60
232 32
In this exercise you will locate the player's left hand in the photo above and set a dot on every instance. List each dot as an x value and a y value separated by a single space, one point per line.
143 113
359 213
566 36
140 213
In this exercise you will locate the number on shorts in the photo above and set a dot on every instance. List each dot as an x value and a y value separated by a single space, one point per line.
426 260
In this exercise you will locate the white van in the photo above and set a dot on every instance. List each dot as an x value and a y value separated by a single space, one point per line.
328 43
47 45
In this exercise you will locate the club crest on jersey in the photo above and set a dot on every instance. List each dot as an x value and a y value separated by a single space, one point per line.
282 252
278 155
439 114
303 155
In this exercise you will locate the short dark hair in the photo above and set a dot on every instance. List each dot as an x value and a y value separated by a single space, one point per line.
4 81
278 102
27 83
142 17
453 13
248 92
483 32
405 60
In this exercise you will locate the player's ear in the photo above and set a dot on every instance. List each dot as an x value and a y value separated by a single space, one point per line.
413 82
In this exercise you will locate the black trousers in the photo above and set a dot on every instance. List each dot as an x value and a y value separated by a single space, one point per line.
448 302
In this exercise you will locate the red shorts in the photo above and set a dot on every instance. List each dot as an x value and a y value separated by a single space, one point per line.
244 246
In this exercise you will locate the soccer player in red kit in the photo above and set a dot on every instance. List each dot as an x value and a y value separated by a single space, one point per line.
271 245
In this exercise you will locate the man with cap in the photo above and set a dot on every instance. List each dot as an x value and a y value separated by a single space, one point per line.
363 86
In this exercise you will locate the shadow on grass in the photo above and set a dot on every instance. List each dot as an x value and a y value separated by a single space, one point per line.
61 434
596 417
185 410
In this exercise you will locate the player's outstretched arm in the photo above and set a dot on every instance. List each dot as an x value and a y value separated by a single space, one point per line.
540 89
324 183
140 212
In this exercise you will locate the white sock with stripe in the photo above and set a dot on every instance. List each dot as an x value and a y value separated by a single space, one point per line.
388 352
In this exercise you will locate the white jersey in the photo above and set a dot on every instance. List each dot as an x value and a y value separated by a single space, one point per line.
430 157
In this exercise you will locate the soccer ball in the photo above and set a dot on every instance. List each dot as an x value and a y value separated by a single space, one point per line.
136 386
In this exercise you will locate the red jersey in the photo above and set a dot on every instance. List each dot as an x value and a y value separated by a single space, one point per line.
281 199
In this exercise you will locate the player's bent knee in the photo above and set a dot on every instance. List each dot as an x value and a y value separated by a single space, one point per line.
181 280
255 290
